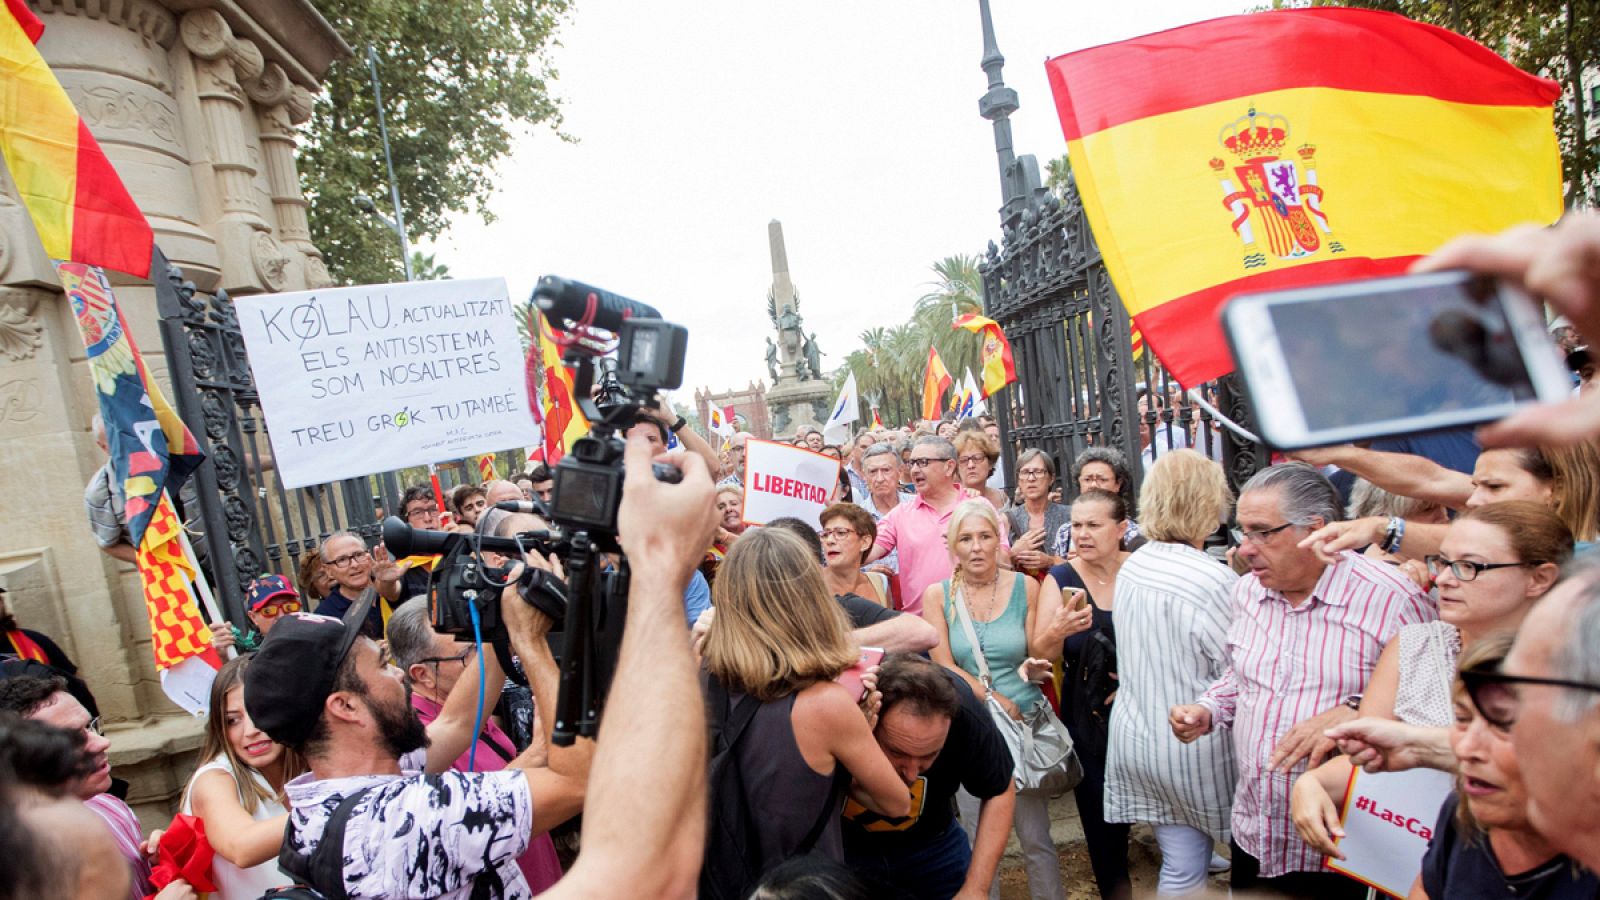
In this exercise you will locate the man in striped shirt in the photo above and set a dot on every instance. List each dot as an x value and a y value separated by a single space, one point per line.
1305 637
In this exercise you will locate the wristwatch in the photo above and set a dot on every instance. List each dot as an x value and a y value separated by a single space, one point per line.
678 425
1353 701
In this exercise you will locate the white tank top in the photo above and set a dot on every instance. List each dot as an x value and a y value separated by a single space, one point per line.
234 883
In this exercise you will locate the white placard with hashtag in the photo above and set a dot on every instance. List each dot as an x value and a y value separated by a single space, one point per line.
1388 821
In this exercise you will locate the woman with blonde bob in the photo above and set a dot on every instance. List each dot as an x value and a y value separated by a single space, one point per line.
779 640
1019 625
1171 618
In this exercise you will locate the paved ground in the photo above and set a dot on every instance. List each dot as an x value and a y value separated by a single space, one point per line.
1144 859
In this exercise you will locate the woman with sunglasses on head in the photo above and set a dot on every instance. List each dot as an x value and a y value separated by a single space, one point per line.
1495 562
1483 844
238 792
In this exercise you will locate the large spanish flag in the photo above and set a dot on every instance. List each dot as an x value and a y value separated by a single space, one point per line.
1286 148
79 206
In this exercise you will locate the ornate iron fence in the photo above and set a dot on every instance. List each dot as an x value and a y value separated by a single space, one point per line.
1080 382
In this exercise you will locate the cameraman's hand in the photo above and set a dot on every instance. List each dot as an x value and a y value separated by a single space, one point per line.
665 528
519 615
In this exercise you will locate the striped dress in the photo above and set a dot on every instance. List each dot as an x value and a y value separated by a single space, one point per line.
1171 616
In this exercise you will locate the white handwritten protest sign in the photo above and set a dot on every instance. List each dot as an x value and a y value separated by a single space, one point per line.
1388 821
783 480
366 379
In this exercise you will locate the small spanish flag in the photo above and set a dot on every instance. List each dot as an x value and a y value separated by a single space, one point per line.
81 209
564 423
1293 147
877 421
999 368
935 382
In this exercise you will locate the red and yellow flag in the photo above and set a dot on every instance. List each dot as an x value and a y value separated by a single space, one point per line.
485 467
1292 147
81 209
999 368
877 421
563 421
934 383
176 631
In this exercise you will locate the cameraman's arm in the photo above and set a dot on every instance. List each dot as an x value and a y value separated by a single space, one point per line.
451 733
557 786
644 820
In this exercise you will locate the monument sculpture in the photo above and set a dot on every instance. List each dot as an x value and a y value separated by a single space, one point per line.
799 396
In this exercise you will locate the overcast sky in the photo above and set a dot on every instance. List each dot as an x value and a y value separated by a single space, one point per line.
854 123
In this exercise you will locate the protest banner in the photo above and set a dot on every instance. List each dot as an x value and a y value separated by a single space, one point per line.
365 379
783 480
1388 820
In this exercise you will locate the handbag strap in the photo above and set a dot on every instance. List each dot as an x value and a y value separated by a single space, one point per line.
965 615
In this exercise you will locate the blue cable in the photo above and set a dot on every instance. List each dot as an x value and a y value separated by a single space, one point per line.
477 725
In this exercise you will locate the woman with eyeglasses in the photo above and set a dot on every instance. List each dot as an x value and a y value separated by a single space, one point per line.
238 792
1105 469
848 533
976 453
1043 528
1495 562
1483 844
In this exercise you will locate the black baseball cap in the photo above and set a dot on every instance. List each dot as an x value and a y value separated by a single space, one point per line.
290 677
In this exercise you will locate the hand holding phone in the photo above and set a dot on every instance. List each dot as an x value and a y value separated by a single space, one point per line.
851 677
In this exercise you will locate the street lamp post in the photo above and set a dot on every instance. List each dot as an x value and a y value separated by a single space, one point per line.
398 223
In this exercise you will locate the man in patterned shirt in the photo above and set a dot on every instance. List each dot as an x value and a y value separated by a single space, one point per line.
1305 637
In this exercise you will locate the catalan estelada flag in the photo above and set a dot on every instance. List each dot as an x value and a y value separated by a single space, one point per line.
563 421
79 206
1286 148
935 382
999 368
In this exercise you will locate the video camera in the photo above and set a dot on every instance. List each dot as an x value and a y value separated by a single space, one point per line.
583 507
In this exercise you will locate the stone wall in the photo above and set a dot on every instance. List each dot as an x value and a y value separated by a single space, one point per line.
195 103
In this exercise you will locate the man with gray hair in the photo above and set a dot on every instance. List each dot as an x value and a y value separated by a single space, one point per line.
917 528
1548 692
1305 637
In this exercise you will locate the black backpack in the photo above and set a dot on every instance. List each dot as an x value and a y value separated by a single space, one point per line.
319 876
733 861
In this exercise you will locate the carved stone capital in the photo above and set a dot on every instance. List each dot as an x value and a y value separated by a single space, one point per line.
246 58
271 261
300 103
206 33
317 275
271 87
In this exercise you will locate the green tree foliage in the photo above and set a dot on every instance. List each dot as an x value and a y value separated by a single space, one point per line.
891 364
1558 39
424 268
459 78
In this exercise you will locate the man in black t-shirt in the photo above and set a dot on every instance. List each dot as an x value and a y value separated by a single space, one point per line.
939 738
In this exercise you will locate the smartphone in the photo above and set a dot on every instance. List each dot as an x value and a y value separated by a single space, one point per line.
1390 356
1077 599
851 677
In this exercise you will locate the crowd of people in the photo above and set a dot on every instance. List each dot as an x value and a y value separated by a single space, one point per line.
817 709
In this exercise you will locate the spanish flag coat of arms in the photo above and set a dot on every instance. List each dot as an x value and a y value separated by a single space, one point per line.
1287 148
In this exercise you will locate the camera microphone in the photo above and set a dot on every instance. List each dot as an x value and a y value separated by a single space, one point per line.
561 298
526 507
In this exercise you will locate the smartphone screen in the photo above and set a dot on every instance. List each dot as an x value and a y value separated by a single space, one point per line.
1387 356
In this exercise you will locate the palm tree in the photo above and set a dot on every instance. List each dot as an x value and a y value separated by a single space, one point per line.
958 292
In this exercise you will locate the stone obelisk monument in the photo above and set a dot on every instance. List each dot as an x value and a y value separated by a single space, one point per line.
799 395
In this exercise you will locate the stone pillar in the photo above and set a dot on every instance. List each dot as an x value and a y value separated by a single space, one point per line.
283 106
